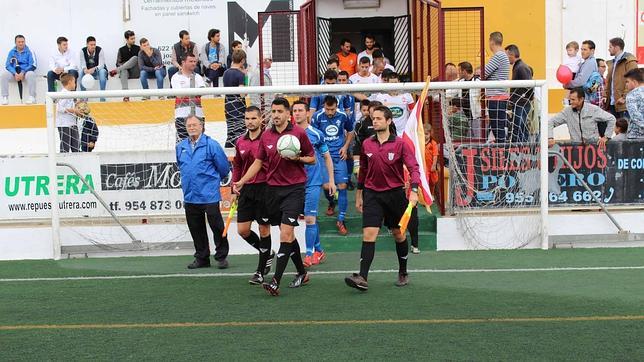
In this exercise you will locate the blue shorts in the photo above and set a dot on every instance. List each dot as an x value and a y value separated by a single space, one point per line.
312 200
340 172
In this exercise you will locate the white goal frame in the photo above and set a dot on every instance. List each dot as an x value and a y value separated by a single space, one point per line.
415 87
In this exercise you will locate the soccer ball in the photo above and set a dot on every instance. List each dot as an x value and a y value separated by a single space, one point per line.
288 146
88 81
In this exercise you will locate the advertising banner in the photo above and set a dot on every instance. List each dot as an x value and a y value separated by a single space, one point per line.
131 184
510 175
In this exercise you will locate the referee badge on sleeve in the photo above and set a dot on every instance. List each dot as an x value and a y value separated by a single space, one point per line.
390 156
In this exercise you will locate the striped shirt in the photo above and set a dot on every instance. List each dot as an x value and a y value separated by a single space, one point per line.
498 68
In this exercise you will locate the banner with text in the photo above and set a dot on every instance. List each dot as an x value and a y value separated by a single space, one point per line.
615 175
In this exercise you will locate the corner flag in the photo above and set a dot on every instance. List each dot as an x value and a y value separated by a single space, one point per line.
414 136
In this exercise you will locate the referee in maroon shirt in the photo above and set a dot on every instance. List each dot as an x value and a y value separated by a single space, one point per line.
380 196
251 200
286 178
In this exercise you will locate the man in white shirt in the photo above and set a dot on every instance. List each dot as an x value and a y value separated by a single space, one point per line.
400 104
364 76
61 62
369 42
66 113
185 107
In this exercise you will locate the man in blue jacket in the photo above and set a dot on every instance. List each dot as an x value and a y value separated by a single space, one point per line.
20 66
203 163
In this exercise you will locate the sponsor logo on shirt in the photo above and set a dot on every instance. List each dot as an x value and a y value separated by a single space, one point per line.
397 112
332 130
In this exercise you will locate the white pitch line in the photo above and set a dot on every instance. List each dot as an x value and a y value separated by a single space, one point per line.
330 272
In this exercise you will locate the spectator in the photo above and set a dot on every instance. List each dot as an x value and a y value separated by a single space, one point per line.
477 72
127 61
497 69
212 57
235 105
348 60
451 74
621 128
599 98
61 62
470 98
66 113
89 133
369 43
459 126
92 62
586 68
20 66
582 118
378 54
572 59
520 98
235 45
179 50
150 64
185 107
635 103
264 100
615 90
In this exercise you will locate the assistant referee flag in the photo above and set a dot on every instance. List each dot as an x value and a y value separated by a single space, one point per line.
414 135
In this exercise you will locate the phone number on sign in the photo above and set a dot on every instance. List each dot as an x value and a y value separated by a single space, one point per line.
580 196
152 205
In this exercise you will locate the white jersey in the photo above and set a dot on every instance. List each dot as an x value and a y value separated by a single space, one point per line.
184 105
358 79
63 118
400 106
364 54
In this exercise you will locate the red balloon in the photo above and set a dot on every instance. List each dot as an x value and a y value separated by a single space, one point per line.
564 74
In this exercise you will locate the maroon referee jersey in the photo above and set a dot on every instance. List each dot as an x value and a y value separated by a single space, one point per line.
246 151
381 165
280 171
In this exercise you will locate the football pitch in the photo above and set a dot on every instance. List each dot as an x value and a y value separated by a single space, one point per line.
485 305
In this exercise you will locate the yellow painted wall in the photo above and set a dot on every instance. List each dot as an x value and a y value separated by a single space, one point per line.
522 23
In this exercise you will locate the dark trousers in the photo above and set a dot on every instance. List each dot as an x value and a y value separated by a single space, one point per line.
214 75
498 119
52 77
69 139
519 131
197 226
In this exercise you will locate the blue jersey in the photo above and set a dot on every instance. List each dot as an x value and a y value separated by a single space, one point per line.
345 101
314 172
333 129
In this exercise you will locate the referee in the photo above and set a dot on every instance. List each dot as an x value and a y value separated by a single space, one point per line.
380 194
203 163
286 178
251 200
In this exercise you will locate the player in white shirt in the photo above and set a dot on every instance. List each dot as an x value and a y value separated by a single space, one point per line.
187 106
369 42
400 104
364 76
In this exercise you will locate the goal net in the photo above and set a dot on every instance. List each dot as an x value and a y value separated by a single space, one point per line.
122 190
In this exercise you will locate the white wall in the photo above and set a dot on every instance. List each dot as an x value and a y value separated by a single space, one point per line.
335 9
579 20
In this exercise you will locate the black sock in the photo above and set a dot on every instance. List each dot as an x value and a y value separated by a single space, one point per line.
282 261
413 227
264 247
366 257
402 249
253 240
331 198
296 256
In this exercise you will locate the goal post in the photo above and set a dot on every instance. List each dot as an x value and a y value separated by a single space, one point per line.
134 156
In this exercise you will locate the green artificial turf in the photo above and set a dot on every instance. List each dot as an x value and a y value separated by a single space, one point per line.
440 315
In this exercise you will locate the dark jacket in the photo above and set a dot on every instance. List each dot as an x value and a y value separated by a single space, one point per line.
521 71
89 134
147 63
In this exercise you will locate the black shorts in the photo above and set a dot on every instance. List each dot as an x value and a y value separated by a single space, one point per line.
251 204
388 205
285 204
